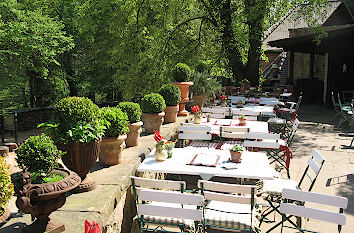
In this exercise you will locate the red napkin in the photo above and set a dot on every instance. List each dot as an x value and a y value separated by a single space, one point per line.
288 153
92 228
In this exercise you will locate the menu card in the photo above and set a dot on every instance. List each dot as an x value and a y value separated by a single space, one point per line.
202 159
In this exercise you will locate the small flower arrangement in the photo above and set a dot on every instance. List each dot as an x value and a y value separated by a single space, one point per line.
243 117
237 148
163 144
223 98
196 111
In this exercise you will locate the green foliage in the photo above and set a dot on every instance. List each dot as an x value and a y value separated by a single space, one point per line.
204 84
181 72
6 186
153 103
133 111
171 94
42 178
38 154
117 121
237 148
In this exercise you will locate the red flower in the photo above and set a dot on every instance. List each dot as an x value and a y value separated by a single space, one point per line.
92 228
195 109
157 136
223 97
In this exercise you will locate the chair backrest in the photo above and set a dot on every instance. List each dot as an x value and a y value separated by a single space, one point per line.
230 193
216 112
314 164
335 105
194 132
293 131
314 213
235 99
340 104
165 191
233 131
298 103
251 115
260 143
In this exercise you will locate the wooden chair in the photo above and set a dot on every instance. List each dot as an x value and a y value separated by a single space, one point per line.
233 132
345 116
217 112
289 208
235 99
194 133
273 188
251 115
163 202
229 206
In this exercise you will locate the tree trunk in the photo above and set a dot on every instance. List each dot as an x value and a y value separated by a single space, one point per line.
254 53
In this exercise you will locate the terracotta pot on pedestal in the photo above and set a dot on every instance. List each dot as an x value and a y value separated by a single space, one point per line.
184 88
134 134
171 113
40 200
80 158
199 100
111 151
153 121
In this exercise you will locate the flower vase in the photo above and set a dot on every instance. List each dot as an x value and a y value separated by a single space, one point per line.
161 155
223 104
197 119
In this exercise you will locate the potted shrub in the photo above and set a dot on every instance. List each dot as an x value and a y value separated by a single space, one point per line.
204 86
113 141
172 97
134 112
6 190
41 187
180 74
236 153
77 130
153 106
242 120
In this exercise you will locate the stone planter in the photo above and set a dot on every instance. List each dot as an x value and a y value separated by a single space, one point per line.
171 114
111 150
5 215
199 100
184 88
134 134
40 200
80 158
236 156
152 121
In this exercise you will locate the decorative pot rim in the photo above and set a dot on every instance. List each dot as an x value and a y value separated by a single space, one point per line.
140 123
154 114
71 142
171 106
189 83
120 137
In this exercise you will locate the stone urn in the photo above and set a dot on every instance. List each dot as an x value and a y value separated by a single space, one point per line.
171 114
199 100
40 200
235 156
153 121
134 134
111 150
80 158
184 88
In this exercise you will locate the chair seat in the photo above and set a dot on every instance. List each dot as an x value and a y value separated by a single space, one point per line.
231 215
276 186
276 120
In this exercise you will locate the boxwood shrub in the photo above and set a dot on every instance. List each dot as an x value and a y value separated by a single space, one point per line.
6 186
152 103
116 120
171 94
133 111
181 72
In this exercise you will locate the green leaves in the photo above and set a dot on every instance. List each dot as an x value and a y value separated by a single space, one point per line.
133 111
171 94
117 121
6 186
153 103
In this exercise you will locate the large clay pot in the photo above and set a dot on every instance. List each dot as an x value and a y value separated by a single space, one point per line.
5 215
40 200
111 150
235 156
80 158
134 134
199 100
171 114
184 88
152 121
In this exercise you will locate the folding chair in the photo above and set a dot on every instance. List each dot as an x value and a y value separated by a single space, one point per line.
200 134
273 188
288 135
236 99
229 206
335 107
289 208
345 116
217 112
233 132
157 207
251 115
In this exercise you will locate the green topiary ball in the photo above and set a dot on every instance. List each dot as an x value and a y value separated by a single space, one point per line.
181 72
153 103
117 121
6 186
133 111
171 94
38 154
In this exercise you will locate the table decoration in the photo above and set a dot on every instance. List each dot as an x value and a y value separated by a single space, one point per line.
242 119
236 153
198 115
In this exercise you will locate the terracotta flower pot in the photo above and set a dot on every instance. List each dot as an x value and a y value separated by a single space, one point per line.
134 134
184 88
199 100
5 215
111 150
171 114
40 200
235 156
80 158
242 121
152 121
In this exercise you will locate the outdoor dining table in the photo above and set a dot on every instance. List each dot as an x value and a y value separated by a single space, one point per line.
256 108
254 165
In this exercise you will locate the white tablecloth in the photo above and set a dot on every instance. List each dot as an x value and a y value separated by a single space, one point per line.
256 108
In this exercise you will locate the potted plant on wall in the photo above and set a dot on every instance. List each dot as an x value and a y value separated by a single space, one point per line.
41 187
180 74
236 153
204 86
172 97
134 112
6 190
77 130
113 141
153 106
